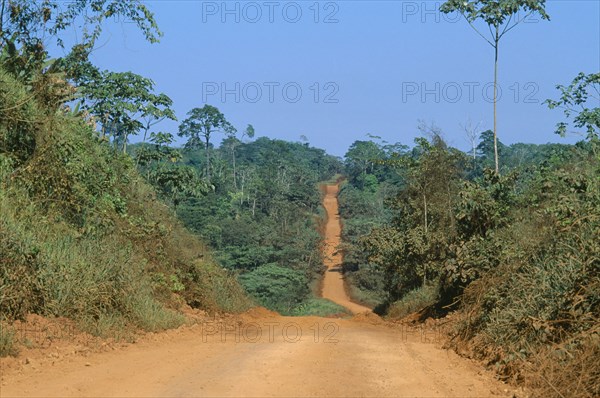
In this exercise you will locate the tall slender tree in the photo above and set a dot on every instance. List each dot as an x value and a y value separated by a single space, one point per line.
501 16
232 142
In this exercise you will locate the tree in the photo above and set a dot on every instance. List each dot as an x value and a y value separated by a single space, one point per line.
32 21
472 131
431 177
157 111
178 182
175 181
487 149
201 124
27 27
574 101
361 159
411 250
232 142
119 100
159 152
501 16
249 132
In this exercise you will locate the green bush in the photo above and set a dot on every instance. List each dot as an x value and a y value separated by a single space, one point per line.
367 285
277 288
19 264
319 307
216 288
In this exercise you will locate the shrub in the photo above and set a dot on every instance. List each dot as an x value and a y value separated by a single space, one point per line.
215 288
277 288
319 307
535 314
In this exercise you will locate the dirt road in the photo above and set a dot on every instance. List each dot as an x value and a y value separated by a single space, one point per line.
344 358
261 354
333 282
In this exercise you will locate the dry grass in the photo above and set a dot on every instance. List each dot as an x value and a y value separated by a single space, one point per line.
568 369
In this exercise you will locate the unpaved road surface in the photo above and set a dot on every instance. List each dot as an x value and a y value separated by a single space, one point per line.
345 358
261 354
333 282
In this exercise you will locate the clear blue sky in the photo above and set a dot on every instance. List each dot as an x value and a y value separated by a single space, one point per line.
375 67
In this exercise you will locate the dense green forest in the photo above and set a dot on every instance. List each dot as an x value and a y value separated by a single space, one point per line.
121 234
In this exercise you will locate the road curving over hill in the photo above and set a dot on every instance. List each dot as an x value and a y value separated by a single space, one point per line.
333 287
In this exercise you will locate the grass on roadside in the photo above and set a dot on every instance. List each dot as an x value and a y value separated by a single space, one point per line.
413 301
319 307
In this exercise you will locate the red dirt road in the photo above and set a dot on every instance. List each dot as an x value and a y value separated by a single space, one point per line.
293 357
333 282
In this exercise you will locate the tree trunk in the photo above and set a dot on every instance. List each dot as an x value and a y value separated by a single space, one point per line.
425 213
426 233
242 185
2 16
234 174
496 101
206 147
104 122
